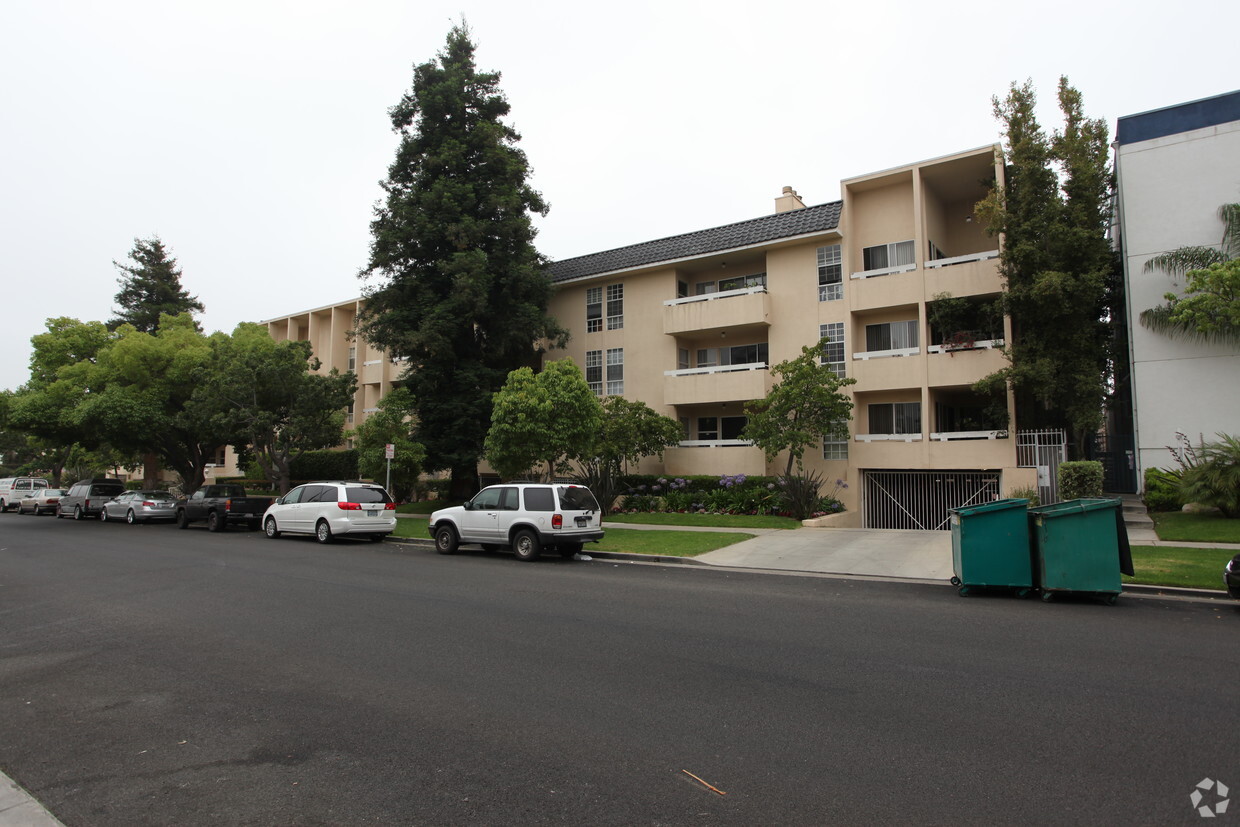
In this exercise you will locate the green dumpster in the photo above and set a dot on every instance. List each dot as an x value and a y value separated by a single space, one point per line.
990 546
1080 546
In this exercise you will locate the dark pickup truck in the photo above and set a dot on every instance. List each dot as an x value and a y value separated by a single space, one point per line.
222 506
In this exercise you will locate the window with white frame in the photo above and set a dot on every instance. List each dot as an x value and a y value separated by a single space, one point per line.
830 273
682 358
594 309
615 371
707 428
895 418
882 256
594 371
891 336
833 350
348 417
835 444
353 358
735 355
742 282
615 306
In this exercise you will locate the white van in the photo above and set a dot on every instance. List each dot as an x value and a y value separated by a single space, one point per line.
13 489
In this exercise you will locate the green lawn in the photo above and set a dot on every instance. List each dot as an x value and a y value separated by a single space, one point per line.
707 520
1196 568
1195 528
424 507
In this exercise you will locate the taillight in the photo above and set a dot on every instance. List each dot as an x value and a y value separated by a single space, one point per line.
349 506
557 520
389 506
148 504
228 505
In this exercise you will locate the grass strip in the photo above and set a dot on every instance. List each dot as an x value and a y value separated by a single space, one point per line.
1193 568
1195 528
703 520
628 540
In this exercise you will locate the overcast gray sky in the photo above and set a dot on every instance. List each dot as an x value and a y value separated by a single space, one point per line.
251 136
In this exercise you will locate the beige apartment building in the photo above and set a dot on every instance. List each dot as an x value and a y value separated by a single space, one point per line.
691 324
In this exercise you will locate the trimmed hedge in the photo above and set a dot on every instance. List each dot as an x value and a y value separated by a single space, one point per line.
1080 479
1162 490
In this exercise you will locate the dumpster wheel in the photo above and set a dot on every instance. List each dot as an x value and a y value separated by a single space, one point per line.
1111 599
964 591
955 581
1047 597
1022 593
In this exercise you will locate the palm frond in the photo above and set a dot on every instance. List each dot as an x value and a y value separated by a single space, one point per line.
1159 320
1229 214
1183 259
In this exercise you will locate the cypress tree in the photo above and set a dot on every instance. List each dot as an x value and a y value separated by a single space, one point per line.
150 287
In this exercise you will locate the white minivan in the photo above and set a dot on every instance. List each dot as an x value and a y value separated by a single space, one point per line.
14 489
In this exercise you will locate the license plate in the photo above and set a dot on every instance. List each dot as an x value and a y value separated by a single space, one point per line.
582 522
372 513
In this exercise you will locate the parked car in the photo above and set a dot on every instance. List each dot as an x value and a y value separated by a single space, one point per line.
222 506
1231 577
14 489
86 497
528 517
43 500
140 507
332 509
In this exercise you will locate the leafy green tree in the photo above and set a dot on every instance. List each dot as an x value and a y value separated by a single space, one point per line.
1207 311
266 394
549 417
630 430
391 425
1059 271
150 287
464 294
802 406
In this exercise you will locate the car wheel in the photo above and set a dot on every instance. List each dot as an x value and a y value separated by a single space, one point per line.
182 519
3 506
446 541
526 545
130 517
323 532
77 512
103 514
214 521
269 528
58 513
569 549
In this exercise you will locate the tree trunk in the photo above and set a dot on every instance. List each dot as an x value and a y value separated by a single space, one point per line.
151 467
464 483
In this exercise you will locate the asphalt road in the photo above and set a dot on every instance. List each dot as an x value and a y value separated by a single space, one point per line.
156 676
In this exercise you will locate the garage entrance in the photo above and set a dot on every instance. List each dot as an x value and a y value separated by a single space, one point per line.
921 500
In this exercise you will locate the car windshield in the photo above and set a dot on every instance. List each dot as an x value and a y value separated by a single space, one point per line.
52 492
156 495
367 495
577 498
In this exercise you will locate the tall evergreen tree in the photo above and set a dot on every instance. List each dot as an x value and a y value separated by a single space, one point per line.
1059 271
463 293
150 287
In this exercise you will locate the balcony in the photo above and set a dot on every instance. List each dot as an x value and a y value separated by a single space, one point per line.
728 309
714 458
967 275
722 383
950 365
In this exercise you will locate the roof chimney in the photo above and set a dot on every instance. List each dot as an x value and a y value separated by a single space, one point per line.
789 201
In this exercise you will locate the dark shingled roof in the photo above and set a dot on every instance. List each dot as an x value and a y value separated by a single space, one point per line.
717 239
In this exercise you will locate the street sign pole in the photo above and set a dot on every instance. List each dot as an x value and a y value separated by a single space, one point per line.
389 451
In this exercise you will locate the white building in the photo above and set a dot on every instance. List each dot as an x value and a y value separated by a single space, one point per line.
1175 167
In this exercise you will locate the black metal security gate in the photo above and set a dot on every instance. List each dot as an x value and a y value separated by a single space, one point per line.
1118 455
923 500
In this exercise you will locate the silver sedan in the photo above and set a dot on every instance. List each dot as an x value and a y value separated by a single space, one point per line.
42 501
140 507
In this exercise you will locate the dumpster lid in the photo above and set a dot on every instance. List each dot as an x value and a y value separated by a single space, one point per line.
997 505
1075 506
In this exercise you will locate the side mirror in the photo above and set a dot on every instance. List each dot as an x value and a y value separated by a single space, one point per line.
279 501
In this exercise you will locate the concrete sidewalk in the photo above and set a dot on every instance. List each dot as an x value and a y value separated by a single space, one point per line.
19 809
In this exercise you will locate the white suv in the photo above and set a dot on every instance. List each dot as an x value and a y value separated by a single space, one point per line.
526 516
332 509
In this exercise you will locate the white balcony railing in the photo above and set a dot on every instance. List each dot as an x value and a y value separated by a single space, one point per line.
883 271
716 369
950 435
965 259
709 297
888 437
715 443
984 344
882 354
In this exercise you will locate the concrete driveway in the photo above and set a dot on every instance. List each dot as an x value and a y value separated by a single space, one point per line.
912 555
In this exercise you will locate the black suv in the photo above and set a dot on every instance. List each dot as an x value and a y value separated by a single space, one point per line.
86 497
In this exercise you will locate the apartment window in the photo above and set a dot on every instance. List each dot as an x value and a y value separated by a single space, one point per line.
594 309
682 289
742 282
594 371
703 288
684 427
732 426
348 417
353 358
615 306
735 355
833 351
708 428
682 358
830 273
891 336
835 444
883 256
615 371
934 252
895 418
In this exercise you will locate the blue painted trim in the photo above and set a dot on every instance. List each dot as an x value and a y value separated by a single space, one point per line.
1183 117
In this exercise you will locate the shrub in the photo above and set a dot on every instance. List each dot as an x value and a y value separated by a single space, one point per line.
1080 479
1030 494
801 499
1215 479
1162 490
325 465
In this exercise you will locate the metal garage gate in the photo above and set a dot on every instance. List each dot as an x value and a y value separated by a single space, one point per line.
923 499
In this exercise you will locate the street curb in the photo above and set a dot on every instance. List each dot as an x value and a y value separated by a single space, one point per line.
1131 588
